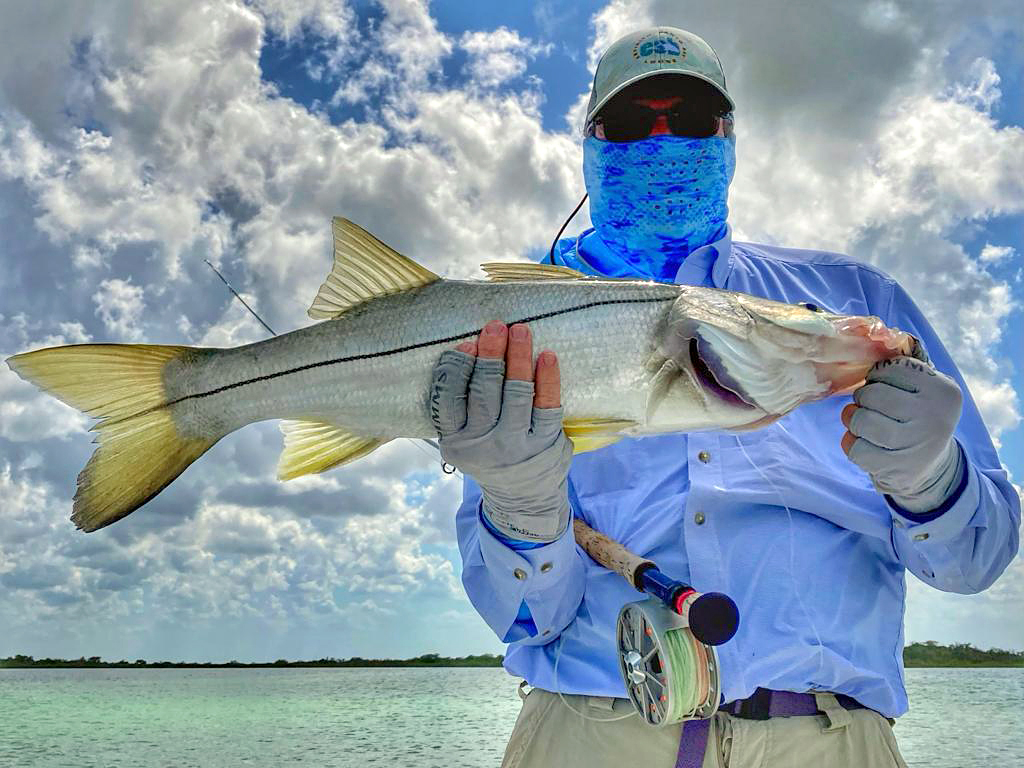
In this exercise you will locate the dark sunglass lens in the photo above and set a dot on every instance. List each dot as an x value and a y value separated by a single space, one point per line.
628 125
697 125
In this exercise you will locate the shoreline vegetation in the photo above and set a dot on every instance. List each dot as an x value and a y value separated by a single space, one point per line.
927 654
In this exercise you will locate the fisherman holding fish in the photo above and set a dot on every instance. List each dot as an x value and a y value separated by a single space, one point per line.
809 523
690 419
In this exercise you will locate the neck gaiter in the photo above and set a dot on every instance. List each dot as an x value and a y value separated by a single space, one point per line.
654 201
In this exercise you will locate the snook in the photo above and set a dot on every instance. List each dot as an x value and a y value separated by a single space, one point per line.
637 358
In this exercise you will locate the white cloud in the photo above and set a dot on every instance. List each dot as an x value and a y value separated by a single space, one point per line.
120 305
24 503
327 20
998 402
234 328
28 415
994 254
497 56
980 88
617 18
406 50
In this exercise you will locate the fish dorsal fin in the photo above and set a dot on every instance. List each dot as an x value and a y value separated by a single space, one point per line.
311 447
364 268
591 434
499 271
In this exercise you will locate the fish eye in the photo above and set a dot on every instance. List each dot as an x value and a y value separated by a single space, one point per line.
810 306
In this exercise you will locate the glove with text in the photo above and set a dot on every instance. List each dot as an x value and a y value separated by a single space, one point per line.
903 421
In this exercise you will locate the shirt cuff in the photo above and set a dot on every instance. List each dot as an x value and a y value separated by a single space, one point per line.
923 517
548 578
945 523
517 544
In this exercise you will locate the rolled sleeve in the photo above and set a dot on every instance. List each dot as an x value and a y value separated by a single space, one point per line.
967 546
498 579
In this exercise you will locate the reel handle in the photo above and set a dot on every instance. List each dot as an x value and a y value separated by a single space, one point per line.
712 616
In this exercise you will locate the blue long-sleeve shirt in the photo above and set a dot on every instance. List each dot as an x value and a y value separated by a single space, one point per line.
778 518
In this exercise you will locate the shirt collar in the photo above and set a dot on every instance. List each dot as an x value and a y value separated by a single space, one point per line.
709 265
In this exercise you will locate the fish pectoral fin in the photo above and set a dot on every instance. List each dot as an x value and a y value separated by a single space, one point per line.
660 387
591 434
311 447
500 271
364 268
587 444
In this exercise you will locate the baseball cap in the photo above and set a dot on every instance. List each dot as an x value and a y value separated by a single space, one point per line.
654 51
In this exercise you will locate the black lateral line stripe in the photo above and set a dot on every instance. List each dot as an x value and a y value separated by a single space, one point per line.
408 348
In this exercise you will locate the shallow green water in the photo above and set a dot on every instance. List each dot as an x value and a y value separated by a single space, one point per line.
409 717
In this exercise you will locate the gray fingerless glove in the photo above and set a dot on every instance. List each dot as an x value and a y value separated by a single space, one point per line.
518 454
904 424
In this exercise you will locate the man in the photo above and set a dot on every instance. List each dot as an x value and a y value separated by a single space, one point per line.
809 524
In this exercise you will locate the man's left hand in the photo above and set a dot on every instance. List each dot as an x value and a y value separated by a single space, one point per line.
900 431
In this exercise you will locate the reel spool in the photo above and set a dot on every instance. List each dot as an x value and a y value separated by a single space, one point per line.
670 676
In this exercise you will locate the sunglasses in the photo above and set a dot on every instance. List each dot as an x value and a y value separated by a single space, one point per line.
635 122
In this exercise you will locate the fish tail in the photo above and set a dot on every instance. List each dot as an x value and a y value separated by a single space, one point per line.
139 449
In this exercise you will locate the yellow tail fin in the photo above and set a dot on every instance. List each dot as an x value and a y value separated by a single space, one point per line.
139 449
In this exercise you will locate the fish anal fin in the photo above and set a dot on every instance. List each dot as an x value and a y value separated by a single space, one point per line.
311 447
364 268
500 271
591 434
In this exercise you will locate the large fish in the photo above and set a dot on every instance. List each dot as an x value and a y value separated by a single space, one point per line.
637 358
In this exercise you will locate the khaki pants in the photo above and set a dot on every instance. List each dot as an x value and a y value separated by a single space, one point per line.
547 733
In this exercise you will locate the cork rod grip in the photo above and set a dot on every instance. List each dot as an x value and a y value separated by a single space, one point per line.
610 554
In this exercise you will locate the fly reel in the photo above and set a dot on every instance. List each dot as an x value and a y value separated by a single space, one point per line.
666 643
670 676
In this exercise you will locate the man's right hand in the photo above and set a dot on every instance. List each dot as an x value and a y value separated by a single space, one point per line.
506 430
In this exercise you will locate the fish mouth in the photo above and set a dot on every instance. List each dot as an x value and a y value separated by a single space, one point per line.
711 375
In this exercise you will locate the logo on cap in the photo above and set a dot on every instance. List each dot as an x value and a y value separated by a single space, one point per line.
665 49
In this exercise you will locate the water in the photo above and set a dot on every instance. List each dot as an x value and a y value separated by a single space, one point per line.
450 718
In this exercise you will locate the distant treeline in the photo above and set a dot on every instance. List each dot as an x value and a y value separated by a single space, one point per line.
931 654
426 660
927 654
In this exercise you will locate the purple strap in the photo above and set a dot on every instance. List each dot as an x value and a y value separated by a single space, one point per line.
693 743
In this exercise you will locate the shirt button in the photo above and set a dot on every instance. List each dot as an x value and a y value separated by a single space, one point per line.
699 518
520 574
920 536
546 567
704 457
897 522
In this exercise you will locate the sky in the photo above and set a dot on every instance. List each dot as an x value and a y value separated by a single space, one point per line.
139 138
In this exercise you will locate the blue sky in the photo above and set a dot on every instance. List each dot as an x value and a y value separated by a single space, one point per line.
138 139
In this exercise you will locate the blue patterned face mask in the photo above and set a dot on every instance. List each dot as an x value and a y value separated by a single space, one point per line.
654 201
